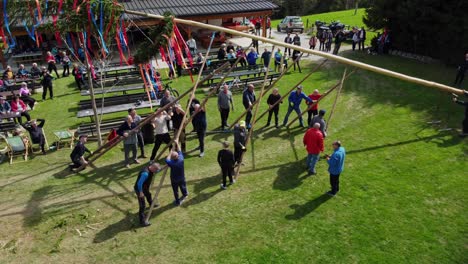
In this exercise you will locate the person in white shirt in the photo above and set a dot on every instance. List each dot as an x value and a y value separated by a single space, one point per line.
192 45
161 132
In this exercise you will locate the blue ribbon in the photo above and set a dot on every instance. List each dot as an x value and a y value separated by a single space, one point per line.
101 22
30 32
11 40
97 28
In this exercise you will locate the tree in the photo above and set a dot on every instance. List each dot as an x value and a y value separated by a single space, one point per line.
428 27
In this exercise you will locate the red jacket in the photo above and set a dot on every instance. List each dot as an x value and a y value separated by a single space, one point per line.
314 98
313 140
14 105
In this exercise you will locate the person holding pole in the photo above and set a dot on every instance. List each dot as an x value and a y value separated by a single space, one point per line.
335 166
199 123
272 99
225 104
465 121
175 161
319 119
226 162
141 187
177 118
248 99
141 142
313 141
295 99
313 107
240 137
161 132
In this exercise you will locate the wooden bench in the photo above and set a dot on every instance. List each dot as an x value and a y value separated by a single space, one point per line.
122 89
114 100
106 126
7 127
242 83
118 81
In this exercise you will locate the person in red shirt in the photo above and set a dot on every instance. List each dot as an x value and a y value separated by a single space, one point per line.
313 109
17 105
51 63
313 141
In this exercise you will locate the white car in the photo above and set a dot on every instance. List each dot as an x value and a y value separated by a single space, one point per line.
290 24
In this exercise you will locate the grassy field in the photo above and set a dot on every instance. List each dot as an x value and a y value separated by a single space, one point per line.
402 200
346 17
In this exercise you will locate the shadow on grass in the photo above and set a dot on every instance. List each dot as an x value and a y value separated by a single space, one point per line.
198 189
289 176
128 223
307 208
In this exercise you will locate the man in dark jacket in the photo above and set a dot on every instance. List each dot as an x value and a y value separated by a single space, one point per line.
339 37
240 137
465 121
77 155
36 132
288 40
226 162
175 161
46 83
362 38
273 106
141 187
199 124
248 99
461 71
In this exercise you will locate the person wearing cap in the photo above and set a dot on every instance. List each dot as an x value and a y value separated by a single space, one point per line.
225 104
248 99
273 106
319 119
465 121
5 107
77 155
313 107
226 161
46 83
240 138
130 141
36 132
142 190
199 124
336 166
25 94
295 99
313 141
18 106
175 161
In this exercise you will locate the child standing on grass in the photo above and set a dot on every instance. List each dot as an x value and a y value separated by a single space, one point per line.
226 162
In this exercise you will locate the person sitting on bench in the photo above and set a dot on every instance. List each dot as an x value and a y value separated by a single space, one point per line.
36 132
18 106
22 72
35 71
25 95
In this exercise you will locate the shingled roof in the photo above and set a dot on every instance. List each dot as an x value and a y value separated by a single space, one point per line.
185 8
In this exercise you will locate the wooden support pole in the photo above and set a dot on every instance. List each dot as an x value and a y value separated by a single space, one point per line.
155 201
294 87
262 93
326 55
320 99
336 99
268 89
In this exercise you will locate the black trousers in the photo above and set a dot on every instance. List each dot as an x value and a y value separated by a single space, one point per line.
226 170
298 66
270 113
158 140
354 45
459 78
238 153
288 50
465 125
142 203
201 132
335 183
29 101
176 185
53 67
66 70
310 115
141 143
44 92
40 141
76 164
361 44
248 118
224 117
337 48
25 114
79 82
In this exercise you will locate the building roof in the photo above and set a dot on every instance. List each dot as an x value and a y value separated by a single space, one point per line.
185 8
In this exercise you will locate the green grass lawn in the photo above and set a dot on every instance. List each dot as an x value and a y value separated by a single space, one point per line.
346 17
402 199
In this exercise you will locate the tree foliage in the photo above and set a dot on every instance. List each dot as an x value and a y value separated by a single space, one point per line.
307 7
428 27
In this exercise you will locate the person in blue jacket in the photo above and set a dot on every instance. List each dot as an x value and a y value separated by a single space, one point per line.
175 161
336 166
295 99
142 185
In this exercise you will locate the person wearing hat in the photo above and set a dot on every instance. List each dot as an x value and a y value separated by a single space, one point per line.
319 119
240 137
336 166
226 161
77 155
36 132
295 99
141 187
313 107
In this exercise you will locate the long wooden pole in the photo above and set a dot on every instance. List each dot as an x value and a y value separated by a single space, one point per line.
294 87
336 99
320 99
97 122
283 72
262 93
309 51
156 193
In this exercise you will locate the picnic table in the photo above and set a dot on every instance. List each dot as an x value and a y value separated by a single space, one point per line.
123 89
238 74
27 57
116 69
116 108
9 115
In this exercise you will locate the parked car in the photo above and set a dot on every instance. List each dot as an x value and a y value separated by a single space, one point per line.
290 24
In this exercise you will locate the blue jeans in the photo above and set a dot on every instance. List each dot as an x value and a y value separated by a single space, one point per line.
311 161
298 111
